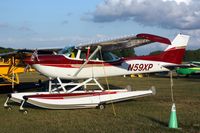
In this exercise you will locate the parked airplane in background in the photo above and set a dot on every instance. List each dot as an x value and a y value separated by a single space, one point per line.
12 64
191 70
94 60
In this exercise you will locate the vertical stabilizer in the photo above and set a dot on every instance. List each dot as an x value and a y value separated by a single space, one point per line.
180 41
175 52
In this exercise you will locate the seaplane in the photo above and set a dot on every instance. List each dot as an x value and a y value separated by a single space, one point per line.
90 61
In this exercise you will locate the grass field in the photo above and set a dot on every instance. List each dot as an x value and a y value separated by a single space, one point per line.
149 114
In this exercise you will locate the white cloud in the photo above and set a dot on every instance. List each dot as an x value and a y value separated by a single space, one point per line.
180 1
169 14
194 42
174 15
41 41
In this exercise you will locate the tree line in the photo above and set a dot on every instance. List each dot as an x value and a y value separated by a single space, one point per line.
5 50
190 55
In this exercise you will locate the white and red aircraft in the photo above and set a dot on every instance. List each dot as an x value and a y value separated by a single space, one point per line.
94 60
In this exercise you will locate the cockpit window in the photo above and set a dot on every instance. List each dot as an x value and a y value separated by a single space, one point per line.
72 52
69 52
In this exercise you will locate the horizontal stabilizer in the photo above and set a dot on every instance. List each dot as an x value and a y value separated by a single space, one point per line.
172 67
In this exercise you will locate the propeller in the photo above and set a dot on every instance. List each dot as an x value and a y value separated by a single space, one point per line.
35 55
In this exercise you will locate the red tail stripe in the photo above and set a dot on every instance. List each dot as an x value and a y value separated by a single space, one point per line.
171 56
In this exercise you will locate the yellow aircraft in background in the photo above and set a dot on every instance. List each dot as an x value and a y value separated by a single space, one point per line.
11 64
9 70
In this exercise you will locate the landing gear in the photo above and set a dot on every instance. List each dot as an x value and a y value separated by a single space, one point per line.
22 108
6 104
8 108
25 112
101 106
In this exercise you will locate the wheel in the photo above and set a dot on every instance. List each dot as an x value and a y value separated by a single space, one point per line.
9 108
101 106
25 112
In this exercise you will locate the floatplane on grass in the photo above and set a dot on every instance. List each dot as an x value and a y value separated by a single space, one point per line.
91 61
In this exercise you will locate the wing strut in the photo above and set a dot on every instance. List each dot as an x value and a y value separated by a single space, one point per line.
85 63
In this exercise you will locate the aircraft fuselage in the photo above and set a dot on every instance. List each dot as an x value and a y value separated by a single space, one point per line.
61 66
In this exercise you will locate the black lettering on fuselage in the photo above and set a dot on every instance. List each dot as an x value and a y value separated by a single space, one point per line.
140 67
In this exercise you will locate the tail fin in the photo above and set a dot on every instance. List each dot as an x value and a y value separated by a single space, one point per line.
174 53
180 41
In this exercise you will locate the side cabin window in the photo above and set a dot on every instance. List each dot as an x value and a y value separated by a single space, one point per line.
106 56
83 55
73 52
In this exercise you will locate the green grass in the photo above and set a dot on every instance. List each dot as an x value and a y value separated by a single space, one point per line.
148 114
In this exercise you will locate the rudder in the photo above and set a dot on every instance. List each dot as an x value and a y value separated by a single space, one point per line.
175 52
180 41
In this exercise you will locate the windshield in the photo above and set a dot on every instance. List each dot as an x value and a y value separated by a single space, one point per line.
67 51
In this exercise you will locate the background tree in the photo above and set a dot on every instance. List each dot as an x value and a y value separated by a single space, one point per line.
5 50
192 55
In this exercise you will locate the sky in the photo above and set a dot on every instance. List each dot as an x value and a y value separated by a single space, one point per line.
59 23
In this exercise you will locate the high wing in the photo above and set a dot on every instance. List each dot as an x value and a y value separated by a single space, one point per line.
125 42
